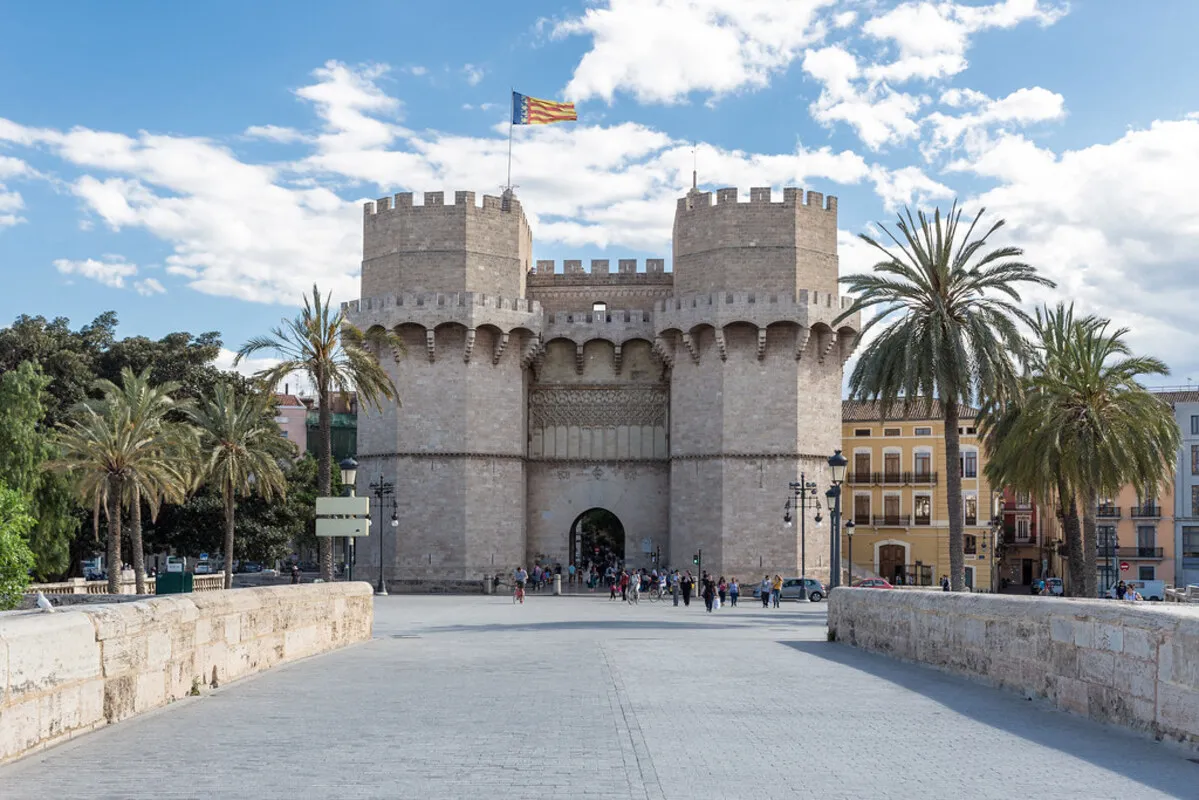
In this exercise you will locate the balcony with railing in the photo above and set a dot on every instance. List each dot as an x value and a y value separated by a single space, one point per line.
1139 552
891 520
1108 512
1146 510
891 478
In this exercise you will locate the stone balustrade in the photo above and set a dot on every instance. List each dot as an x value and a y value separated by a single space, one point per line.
1129 664
201 583
1182 594
70 672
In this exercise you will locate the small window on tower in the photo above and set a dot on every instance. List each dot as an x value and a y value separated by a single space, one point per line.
599 308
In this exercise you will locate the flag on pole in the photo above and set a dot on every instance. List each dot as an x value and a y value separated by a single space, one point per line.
534 111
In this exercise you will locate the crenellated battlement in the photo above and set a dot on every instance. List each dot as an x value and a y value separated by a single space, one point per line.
718 299
442 300
545 270
463 201
760 196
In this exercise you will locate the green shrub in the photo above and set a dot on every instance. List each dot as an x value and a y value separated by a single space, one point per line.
16 559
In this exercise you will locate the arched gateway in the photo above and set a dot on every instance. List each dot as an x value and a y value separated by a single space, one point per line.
597 536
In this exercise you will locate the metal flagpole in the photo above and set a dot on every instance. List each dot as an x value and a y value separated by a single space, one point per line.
511 124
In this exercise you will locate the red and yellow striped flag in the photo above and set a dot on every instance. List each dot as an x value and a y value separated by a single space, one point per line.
534 111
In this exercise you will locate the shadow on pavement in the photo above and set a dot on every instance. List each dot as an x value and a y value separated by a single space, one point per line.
1161 767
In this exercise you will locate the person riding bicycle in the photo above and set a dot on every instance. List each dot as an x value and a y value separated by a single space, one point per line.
520 578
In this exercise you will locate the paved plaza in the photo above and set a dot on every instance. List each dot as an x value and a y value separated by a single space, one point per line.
579 697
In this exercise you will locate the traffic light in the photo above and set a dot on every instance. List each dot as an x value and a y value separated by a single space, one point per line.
695 559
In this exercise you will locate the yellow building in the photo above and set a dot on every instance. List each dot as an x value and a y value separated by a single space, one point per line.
895 493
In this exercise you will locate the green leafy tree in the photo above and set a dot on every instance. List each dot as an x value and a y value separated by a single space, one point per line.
24 447
240 452
335 356
120 448
1084 426
949 311
16 560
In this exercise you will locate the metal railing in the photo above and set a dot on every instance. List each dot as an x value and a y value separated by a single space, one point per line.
1108 512
891 520
1139 552
889 478
1146 510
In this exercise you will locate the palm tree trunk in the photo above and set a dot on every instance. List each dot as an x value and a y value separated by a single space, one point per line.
135 538
1072 527
324 475
114 539
229 509
1090 548
953 486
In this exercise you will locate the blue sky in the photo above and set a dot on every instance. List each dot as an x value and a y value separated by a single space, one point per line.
197 166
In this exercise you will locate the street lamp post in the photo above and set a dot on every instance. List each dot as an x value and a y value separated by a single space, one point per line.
381 489
837 464
349 474
849 526
804 496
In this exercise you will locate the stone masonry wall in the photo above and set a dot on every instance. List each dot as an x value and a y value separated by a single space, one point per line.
67 673
1127 664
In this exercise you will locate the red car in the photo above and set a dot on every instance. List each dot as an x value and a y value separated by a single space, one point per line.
873 583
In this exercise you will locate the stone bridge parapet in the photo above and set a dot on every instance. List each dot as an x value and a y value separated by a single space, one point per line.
1128 664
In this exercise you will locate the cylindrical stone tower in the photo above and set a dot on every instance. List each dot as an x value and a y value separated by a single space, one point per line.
450 280
756 376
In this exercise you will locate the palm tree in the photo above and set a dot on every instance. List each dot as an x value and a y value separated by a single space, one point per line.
334 355
120 448
1088 425
953 328
151 480
240 451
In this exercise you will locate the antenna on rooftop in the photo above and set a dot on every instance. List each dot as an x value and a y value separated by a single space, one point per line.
694 166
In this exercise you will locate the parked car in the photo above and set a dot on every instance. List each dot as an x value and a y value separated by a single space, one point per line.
873 583
203 568
816 590
251 566
309 566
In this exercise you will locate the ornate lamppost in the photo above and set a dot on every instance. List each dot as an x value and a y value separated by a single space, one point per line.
837 464
349 474
803 497
379 490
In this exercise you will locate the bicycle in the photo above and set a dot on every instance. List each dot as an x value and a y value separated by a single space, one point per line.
657 593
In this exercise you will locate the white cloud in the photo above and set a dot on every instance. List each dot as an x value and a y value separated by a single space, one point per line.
1018 109
11 200
906 186
1116 225
275 133
416 70
108 270
878 114
148 287
295 382
932 37
660 51
474 74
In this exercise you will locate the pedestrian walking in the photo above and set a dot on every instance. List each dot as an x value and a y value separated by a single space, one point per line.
624 585
945 583
734 590
674 586
709 593
776 590
722 589
688 586
764 590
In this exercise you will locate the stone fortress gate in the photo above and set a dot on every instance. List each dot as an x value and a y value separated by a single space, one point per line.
682 402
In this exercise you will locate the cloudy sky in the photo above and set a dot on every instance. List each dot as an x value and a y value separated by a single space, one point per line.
198 166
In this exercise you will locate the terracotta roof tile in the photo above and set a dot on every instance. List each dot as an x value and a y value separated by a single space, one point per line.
920 408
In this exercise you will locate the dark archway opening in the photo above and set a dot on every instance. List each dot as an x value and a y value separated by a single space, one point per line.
597 537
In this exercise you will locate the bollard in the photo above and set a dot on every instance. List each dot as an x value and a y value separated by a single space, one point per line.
487 586
557 585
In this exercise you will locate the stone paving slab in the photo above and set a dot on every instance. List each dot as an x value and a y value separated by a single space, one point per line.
464 697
